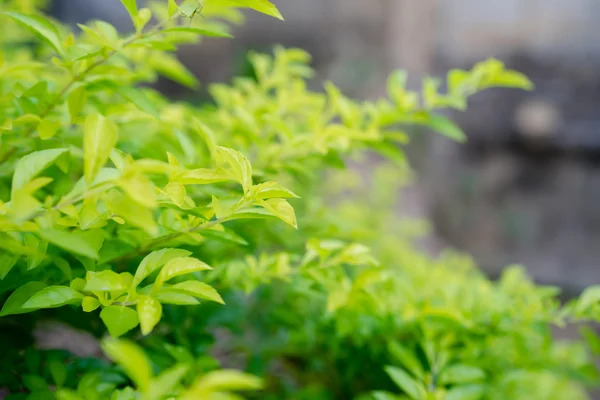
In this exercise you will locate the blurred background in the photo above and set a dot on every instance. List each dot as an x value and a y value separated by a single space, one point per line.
526 188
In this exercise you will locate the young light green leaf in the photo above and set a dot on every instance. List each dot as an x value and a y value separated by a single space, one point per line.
53 297
141 217
132 359
165 383
447 128
104 281
262 6
589 298
466 392
139 188
239 166
48 128
197 31
99 138
131 6
222 381
76 101
154 261
166 296
136 96
170 67
69 241
412 388
90 304
201 176
197 289
269 190
179 266
172 8
14 303
41 27
32 165
460 374
149 313
281 209
119 319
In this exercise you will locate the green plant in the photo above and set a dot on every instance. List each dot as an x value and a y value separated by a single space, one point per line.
124 213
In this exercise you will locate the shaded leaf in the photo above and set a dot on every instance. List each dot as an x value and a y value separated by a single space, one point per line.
14 303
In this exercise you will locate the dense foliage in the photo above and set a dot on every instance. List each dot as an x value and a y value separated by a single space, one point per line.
197 242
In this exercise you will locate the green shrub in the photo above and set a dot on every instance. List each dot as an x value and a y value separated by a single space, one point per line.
196 242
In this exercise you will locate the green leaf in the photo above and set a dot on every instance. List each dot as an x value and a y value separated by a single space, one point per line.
466 392
154 261
458 374
165 383
405 382
14 303
40 246
447 128
139 188
136 96
407 358
270 190
47 128
132 212
119 319
58 371
53 297
281 209
222 381
32 165
201 176
149 313
179 266
386 396
262 6
7 262
197 289
197 31
41 27
172 8
239 166
69 241
131 6
90 304
104 281
132 359
224 235
76 101
166 296
170 67
589 298
99 138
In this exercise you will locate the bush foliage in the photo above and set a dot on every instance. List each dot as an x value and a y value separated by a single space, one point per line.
228 248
